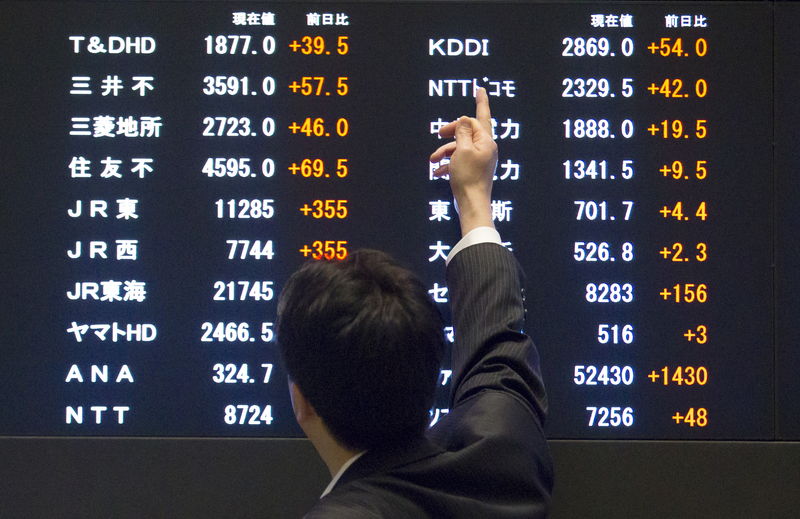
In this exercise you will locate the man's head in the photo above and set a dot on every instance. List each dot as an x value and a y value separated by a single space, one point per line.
362 341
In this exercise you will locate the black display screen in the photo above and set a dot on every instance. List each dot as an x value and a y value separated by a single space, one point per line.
167 165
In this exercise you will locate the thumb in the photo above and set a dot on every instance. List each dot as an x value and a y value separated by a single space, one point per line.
463 132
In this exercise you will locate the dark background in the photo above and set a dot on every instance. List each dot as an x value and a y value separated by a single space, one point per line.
203 477
182 244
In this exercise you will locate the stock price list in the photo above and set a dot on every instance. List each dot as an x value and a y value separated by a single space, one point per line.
171 167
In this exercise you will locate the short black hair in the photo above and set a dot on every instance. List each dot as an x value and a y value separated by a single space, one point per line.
363 341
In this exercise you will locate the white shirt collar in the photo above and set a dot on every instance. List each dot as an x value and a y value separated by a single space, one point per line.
339 474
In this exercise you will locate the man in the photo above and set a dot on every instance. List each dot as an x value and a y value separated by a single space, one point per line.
362 344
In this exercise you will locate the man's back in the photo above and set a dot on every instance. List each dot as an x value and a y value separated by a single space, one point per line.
488 456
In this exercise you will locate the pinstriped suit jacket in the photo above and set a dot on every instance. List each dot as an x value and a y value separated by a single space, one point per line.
487 457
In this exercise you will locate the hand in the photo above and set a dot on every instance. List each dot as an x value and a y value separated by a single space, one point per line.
473 159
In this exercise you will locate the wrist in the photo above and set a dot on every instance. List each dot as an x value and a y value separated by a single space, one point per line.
470 225
474 213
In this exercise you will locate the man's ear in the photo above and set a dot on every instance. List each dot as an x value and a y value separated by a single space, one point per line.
303 410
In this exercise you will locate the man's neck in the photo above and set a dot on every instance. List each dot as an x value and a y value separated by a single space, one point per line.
332 452
336 458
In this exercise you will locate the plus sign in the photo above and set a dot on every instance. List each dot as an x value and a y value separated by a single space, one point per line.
294 45
306 250
665 252
293 86
652 47
652 88
305 210
677 417
665 294
294 168
665 212
689 335
665 170
653 129
653 376
294 127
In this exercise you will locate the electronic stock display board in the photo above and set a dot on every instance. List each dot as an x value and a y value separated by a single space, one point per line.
166 166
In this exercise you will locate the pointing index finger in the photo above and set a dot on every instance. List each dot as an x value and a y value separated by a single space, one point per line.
482 112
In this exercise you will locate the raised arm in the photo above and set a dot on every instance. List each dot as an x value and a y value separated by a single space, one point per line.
492 352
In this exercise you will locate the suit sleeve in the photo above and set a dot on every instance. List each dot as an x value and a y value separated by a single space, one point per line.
491 351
